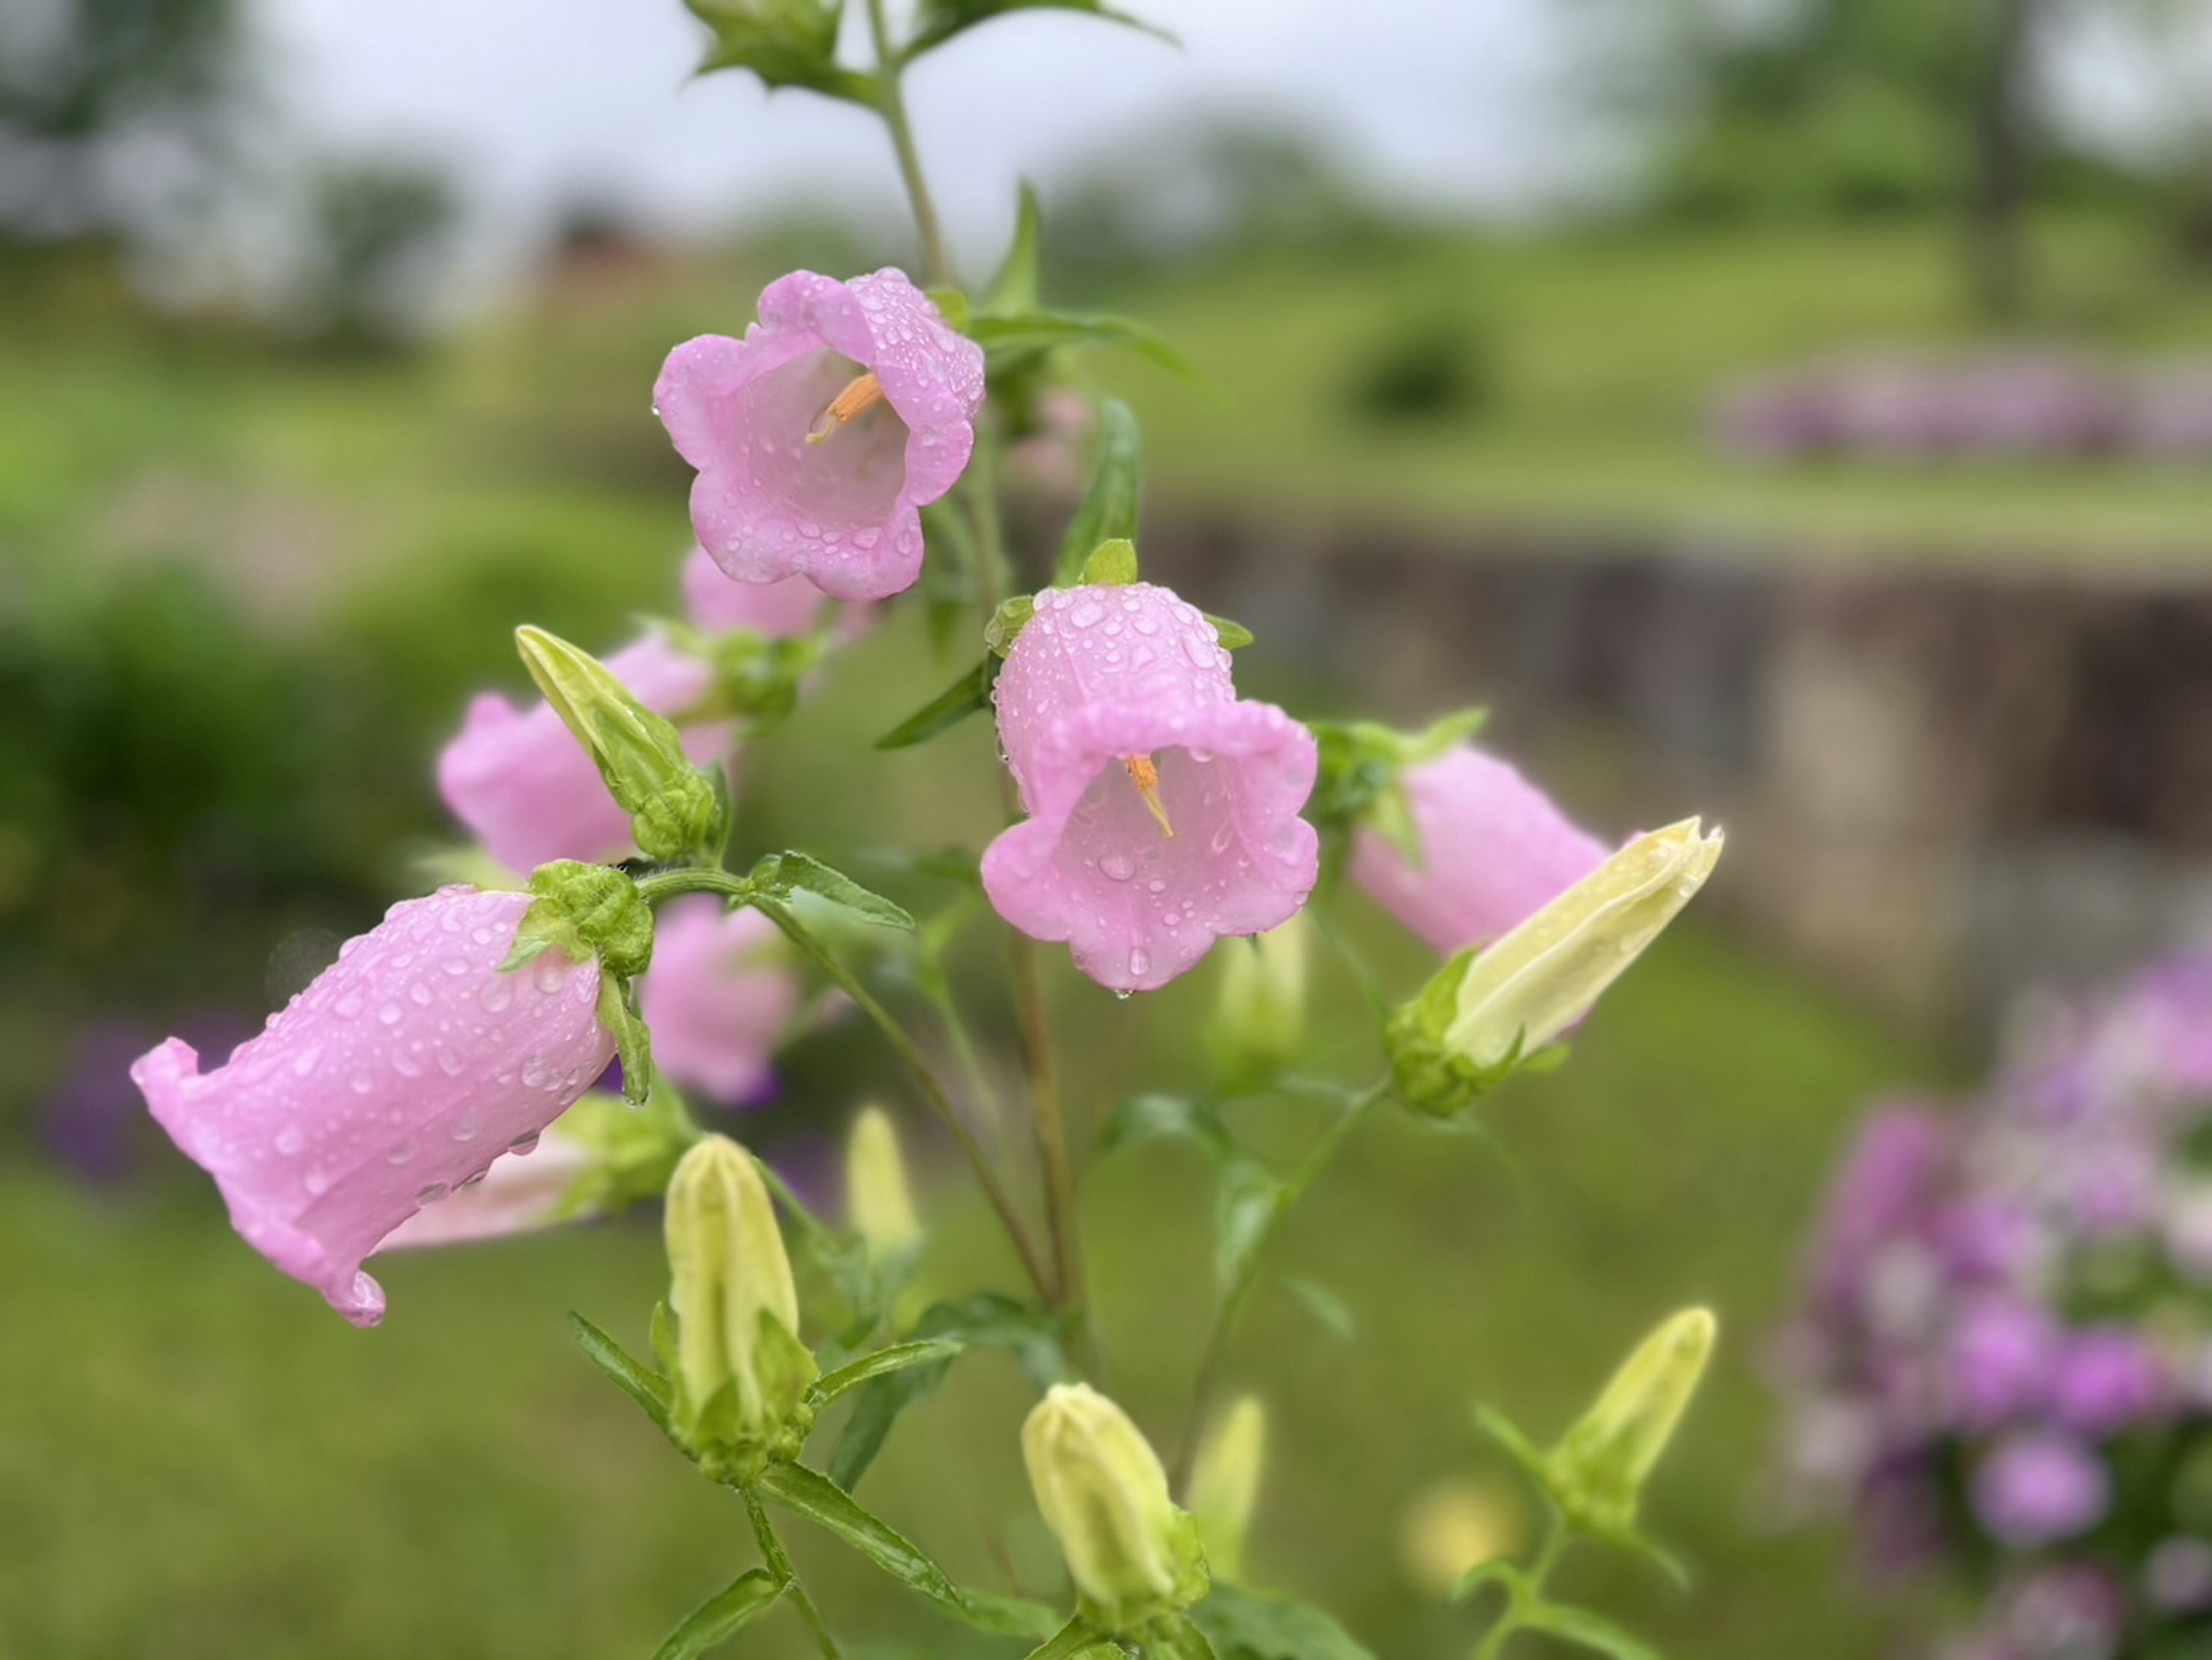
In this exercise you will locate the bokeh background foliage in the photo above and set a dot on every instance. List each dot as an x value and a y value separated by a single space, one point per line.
260 540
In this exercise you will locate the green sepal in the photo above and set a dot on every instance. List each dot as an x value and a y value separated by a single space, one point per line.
936 22
897 1358
639 753
1427 1073
1112 563
1014 289
1007 623
1109 508
1233 636
588 911
723 1615
777 876
650 1389
1178 1639
661 1335
1361 762
787 43
787 1369
632 1039
1243 1625
822 1501
969 694
1078 1639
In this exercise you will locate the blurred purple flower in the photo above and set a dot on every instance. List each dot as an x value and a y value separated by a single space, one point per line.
2107 1378
2001 1354
1889 1178
2037 1487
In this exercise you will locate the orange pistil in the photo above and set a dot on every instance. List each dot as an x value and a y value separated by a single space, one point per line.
1146 777
847 407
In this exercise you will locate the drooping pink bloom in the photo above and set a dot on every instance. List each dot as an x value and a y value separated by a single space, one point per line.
1162 812
717 602
821 436
521 782
1495 851
403 1071
718 998
524 1191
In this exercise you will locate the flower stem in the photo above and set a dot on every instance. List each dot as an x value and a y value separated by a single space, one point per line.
892 105
1207 1381
1526 1592
779 1564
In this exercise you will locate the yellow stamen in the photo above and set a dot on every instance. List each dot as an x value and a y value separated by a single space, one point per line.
1146 777
847 407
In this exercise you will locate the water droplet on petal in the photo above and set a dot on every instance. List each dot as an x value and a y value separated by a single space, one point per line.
1117 867
1140 963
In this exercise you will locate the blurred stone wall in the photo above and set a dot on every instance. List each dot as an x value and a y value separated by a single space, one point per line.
1941 786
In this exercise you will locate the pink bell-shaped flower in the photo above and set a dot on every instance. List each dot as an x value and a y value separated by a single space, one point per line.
1163 813
518 1195
718 602
820 437
402 1072
1494 852
718 999
521 782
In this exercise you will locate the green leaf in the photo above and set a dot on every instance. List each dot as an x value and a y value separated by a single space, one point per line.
1014 289
1148 1117
1073 1641
897 1358
1586 1630
1109 508
1007 623
1518 1447
722 1616
787 43
1234 637
971 694
648 1388
778 875
952 306
1333 1313
986 1320
1111 564
823 1502
1247 1199
939 21
1009 342
1245 1626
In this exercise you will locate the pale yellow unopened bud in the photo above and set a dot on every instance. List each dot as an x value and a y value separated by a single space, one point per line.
1600 1465
1544 975
1103 1492
1259 1024
1224 1484
877 1199
727 1269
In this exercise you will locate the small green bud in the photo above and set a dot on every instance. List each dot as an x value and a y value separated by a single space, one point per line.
876 1199
1134 1556
1224 1484
675 810
1599 1467
1260 1022
1491 1007
588 910
742 1373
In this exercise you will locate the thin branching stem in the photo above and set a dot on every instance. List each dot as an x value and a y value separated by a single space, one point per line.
890 104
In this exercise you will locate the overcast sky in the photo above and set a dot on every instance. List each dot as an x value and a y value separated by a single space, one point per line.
536 101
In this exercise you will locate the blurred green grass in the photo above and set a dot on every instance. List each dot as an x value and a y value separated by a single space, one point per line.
200 1460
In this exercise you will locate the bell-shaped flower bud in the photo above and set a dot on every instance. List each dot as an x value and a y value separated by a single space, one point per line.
1259 1023
523 785
878 1202
821 436
1163 811
1487 1009
399 1075
1224 1484
1598 1470
674 809
1134 1556
741 1372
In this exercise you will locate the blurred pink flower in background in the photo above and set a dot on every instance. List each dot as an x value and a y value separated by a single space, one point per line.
821 436
519 781
718 602
1494 849
719 998
1162 812
403 1071
524 1190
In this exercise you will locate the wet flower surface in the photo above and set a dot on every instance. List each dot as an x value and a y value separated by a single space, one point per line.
400 1074
821 436
1164 813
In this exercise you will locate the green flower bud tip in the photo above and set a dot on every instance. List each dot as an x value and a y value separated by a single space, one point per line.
731 1289
588 910
876 1199
1132 1553
1226 1485
1488 1008
1600 1465
1260 1020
